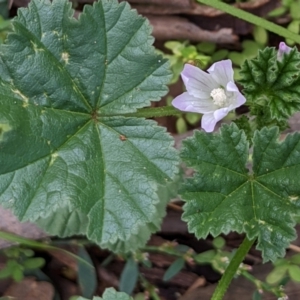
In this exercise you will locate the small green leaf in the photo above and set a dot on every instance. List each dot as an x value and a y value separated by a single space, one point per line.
147 263
294 272
5 272
174 46
129 276
28 252
219 55
207 47
223 195
174 269
189 52
277 274
280 262
277 12
236 57
260 35
139 296
87 277
33 263
295 259
181 126
17 274
257 295
287 3
250 48
219 242
205 257
294 26
182 248
295 11
193 118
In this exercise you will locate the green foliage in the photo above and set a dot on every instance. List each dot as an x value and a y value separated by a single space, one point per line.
87 277
4 28
110 294
243 123
290 7
257 296
224 196
294 26
19 261
272 87
217 258
219 242
181 125
69 154
183 52
249 50
185 119
129 276
285 268
260 35
174 269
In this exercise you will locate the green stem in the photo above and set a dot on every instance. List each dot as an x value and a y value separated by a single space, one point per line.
262 285
38 245
232 269
161 250
241 14
154 112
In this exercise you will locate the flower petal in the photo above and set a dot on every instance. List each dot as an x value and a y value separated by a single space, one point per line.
221 113
222 72
237 99
283 49
197 82
208 122
187 102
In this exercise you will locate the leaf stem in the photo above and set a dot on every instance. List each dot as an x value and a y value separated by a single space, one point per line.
241 14
232 268
33 244
154 112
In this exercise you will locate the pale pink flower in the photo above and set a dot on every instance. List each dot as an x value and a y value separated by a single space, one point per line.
213 94
283 49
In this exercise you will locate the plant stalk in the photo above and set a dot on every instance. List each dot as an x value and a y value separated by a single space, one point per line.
153 112
232 268
38 245
241 14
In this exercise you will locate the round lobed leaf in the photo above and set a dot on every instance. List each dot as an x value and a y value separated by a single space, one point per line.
224 196
69 155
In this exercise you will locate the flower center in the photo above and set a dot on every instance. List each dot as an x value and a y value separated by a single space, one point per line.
219 97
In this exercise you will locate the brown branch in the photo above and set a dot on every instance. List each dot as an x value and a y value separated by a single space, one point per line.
176 28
